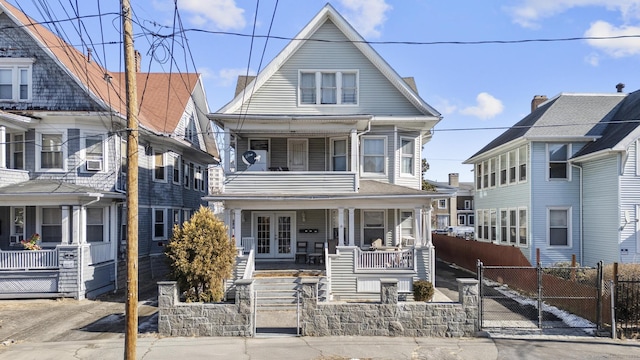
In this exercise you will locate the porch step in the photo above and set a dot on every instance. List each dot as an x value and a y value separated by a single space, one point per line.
280 292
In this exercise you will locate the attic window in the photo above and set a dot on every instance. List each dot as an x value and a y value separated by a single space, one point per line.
15 79
328 87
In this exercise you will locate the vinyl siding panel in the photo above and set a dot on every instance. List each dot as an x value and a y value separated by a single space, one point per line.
601 214
545 194
376 94
629 249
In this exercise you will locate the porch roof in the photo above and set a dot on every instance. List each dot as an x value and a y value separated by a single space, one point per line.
47 192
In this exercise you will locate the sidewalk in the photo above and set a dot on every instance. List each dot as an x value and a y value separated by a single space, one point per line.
332 348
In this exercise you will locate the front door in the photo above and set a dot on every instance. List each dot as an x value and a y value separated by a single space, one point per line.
274 234
298 154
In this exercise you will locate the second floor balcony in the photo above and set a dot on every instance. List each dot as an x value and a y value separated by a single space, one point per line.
290 182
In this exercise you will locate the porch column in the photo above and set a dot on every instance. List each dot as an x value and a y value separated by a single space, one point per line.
226 217
352 226
237 226
3 147
417 220
427 225
341 226
65 225
354 156
76 234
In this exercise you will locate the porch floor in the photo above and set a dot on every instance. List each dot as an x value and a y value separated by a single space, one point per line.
286 265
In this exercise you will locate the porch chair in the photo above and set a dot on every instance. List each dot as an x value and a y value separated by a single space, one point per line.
317 254
301 251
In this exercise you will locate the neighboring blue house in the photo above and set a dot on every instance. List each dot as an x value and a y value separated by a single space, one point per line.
565 180
63 163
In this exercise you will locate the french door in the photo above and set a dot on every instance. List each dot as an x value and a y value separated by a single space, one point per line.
274 234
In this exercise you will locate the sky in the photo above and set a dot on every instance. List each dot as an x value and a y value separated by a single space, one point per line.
479 63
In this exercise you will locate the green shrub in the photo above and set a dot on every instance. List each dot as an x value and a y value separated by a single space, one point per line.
423 290
201 256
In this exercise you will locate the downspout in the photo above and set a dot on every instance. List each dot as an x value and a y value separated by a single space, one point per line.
581 215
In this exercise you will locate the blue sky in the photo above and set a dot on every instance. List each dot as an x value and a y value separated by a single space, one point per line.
480 89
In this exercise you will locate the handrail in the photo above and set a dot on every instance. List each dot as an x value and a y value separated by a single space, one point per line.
385 260
251 265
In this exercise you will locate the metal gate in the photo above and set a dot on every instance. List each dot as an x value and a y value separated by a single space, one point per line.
525 297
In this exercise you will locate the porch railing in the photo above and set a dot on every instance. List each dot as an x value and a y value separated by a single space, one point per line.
28 259
289 182
100 252
248 244
385 260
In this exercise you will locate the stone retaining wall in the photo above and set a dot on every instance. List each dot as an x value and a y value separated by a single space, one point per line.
389 317
205 319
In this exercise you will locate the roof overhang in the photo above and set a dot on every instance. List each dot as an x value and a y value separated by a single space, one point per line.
15 121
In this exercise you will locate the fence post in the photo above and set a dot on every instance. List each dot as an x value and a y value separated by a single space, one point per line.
480 275
613 309
539 272
599 304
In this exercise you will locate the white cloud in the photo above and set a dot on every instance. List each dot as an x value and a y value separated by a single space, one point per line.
445 107
366 15
220 14
614 47
228 77
529 12
487 107
592 59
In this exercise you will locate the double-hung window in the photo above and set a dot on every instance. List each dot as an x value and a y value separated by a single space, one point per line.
17 158
559 231
512 166
94 151
51 225
558 155
177 169
373 159
503 169
373 228
513 226
95 224
15 79
492 177
406 225
442 203
522 226
479 176
159 224
494 226
504 225
522 163
339 153
328 87
159 167
407 166
51 151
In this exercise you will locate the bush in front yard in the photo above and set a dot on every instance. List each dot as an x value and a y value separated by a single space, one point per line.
423 290
201 256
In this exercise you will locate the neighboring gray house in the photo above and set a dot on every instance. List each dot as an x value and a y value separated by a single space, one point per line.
63 163
565 180
338 136
455 208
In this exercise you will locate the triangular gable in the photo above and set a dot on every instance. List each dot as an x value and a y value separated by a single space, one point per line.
329 13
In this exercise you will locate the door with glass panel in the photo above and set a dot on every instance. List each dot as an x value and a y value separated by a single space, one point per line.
274 234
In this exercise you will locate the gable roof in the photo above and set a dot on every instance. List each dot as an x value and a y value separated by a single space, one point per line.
329 13
162 97
566 116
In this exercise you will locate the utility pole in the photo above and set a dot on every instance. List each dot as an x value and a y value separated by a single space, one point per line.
131 313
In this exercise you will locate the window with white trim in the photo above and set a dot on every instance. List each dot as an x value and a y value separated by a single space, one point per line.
480 225
190 131
17 223
328 88
186 175
558 155
198 180
406 225
15 79
408 152
51 151
159 224
122 178
339 154
462 220
493 164
373 155
485 174
159 166
559 230
373 226
175 218
523 156
522 227
494 226
442 203
471 221
51 225
94 152
513 226
17 151
479 168
95 224
467 204
503 169
513 162
504 226
177 168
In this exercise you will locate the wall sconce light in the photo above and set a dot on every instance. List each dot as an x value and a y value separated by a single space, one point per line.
304 216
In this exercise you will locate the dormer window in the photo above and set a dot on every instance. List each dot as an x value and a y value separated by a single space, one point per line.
328 87
15 79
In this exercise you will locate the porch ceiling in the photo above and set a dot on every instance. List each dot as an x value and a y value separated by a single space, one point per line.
47 192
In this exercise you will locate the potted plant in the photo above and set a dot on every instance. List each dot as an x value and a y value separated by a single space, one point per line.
33 243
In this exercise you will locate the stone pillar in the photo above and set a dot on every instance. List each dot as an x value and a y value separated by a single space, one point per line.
167 294
244 296
468 292
308 292
389 291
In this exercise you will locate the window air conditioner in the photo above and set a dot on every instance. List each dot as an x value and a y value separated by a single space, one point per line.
94 165
16 239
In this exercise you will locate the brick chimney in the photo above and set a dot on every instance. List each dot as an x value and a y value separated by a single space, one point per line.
537 100
453 179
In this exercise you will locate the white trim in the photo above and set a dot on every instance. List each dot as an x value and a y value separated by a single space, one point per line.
153 223
413 156
568 209
318 86
63 150
13 150
164 165
384 156
526 245
83 152
176 157
548 163
332 152
16 65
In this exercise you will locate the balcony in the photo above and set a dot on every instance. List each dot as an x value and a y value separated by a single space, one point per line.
290 182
